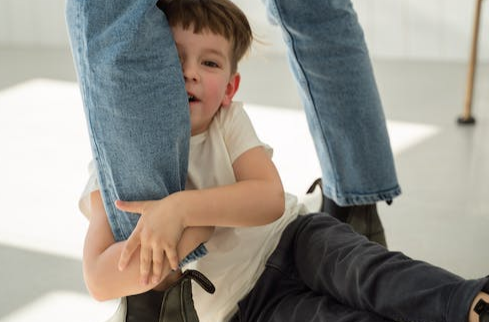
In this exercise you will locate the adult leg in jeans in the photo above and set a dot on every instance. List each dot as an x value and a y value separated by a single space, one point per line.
137 112
330 61
134 99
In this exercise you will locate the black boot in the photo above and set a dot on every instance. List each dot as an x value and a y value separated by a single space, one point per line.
364 219
175 304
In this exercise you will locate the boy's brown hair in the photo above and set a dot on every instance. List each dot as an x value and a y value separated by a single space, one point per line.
221 17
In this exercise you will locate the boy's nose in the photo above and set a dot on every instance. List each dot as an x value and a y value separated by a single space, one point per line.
190 72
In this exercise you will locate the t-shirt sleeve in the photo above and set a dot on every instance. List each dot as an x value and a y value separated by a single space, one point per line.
238 131
91 185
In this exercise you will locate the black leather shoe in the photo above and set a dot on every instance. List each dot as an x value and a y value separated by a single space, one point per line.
175 304
364 219
482 308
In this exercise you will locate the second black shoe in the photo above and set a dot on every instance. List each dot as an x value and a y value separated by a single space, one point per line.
364 219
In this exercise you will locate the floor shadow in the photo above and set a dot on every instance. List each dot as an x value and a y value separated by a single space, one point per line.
27 275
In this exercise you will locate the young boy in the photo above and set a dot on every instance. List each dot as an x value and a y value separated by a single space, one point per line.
263 254
209 60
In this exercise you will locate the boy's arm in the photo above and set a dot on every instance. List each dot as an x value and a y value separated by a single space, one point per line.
101 255
257 198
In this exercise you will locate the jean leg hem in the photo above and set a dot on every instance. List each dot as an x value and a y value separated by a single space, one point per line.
355 199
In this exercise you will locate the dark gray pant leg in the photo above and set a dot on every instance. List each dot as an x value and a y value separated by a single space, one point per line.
321 265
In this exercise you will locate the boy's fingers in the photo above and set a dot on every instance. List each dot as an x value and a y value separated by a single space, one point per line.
172 256
130 206
157 265
129 248
145 264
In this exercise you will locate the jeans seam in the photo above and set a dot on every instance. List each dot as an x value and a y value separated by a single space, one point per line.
304 81
84 69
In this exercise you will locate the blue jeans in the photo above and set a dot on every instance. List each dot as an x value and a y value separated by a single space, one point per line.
137 108
322 270
135 101
330 62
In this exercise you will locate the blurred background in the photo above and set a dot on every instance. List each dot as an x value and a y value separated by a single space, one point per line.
420 52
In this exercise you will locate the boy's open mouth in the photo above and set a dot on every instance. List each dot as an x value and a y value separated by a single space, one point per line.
192 98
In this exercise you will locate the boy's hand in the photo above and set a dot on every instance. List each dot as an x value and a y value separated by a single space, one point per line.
158 232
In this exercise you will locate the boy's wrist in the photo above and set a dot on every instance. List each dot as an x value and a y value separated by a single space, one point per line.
181 203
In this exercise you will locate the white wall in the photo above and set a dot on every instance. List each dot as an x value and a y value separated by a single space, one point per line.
423 29
32 23
405 29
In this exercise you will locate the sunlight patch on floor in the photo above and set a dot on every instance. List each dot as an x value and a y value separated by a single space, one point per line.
63 307
45 150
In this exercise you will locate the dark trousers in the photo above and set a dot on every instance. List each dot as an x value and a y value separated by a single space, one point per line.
323 271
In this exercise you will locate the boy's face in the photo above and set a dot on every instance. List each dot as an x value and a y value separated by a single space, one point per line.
206 65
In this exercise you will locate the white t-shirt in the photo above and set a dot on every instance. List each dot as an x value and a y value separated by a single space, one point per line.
237 256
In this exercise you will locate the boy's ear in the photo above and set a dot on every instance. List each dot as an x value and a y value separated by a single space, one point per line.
231 89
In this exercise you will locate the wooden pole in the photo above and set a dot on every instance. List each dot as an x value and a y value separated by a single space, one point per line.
467 117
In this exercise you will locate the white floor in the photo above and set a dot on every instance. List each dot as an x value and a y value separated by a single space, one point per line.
442 216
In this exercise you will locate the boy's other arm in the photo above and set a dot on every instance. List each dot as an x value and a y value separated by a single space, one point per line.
101 255
257 198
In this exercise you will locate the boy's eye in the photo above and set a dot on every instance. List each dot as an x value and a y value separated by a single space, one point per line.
210 63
